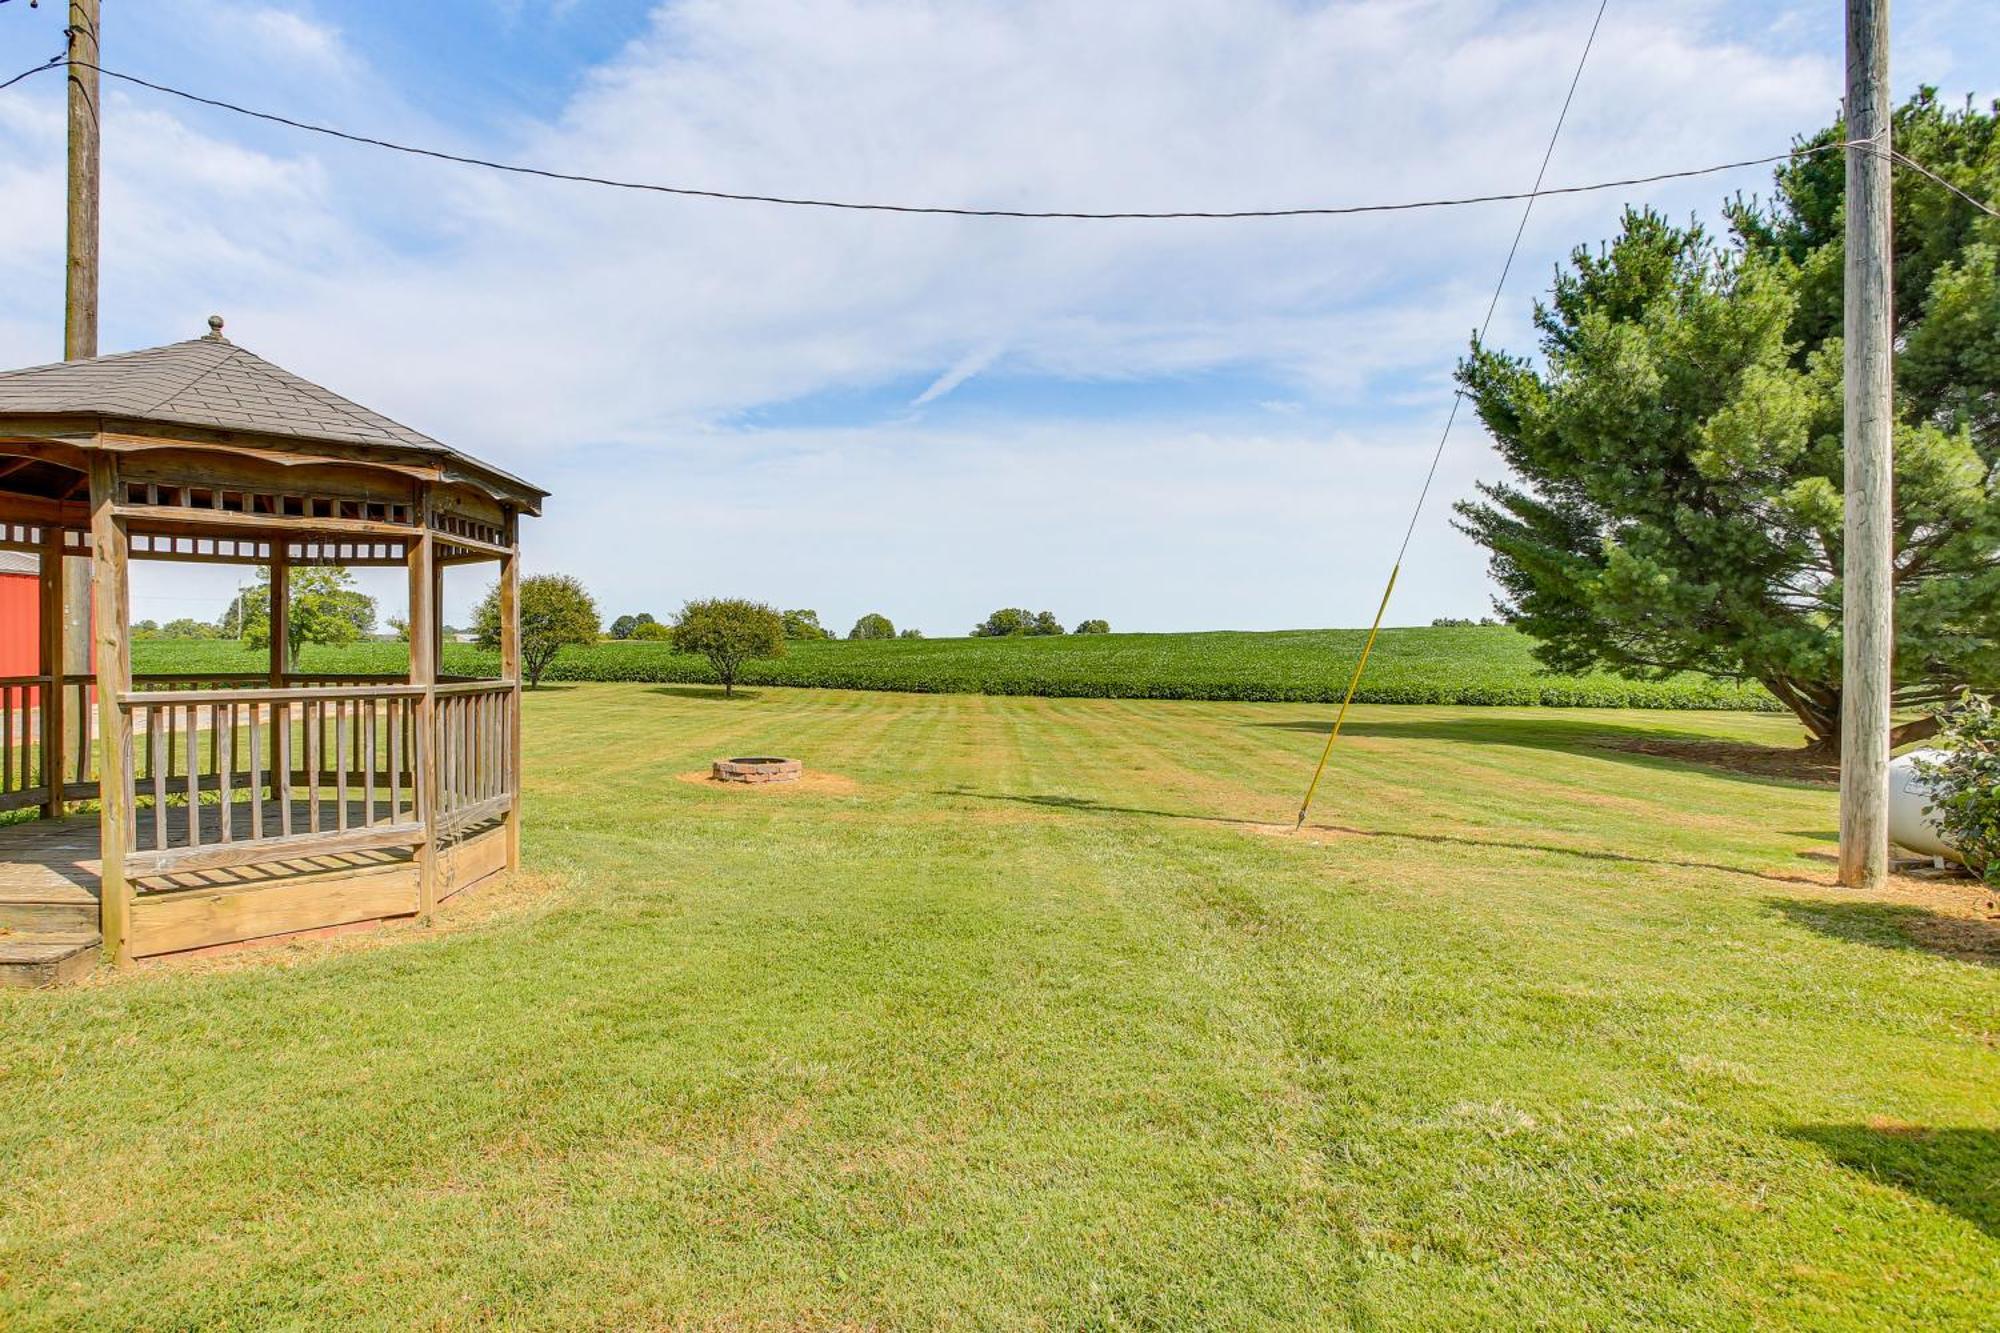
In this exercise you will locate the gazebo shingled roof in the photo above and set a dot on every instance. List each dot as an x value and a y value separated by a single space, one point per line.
212 383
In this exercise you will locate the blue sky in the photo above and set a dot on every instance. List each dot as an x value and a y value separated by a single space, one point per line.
1200 425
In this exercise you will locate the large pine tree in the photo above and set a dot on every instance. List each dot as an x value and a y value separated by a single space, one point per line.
1677 450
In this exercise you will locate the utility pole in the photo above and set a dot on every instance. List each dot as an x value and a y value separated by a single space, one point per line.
80 289
1867 588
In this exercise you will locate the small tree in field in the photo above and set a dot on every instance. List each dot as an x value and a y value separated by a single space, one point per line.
729 631
805 625
874 625
324 607
1093 627
1012 620
1007 621
555 613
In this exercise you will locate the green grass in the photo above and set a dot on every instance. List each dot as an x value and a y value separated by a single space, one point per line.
1033 1026
1486 665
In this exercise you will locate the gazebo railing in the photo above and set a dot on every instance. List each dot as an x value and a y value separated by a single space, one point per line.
474 724
225 774
20 741
27 750
222 732
230 777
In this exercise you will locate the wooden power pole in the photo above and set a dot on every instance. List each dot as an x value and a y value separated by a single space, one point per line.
1867 600
80 286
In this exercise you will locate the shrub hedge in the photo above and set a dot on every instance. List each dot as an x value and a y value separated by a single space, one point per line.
1457 665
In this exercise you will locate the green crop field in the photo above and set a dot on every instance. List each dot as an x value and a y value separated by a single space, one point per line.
1481 665
1018 1015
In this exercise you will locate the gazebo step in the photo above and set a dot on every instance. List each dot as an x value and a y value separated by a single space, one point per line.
46 958
48 874
61 915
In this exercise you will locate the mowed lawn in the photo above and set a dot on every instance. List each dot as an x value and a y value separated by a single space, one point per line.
1028 1021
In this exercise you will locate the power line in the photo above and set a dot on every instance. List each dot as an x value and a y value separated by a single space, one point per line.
943 210
946 210
50 63
1922 170
1457 399
1513 250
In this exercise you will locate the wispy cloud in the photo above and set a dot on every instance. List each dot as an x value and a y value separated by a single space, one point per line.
961 370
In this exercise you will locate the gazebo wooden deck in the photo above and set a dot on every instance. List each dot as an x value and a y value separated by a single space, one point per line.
239 807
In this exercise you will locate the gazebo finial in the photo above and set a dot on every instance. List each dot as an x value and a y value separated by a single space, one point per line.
215 329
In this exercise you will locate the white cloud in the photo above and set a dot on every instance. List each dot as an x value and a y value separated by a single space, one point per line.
668 312
295 39
593 339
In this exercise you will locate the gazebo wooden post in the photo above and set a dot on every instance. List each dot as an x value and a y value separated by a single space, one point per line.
55 667
510 670
437 613
421 553
280 616
112 612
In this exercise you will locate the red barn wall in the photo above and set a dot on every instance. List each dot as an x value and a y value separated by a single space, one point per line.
20 625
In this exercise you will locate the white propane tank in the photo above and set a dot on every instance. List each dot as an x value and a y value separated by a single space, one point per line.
1909 793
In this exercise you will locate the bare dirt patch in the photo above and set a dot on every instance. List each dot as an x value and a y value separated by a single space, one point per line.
1954 918
1764 761
1314 833
826 784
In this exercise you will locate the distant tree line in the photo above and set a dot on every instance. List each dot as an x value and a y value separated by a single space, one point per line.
798 625
184 628
1012 621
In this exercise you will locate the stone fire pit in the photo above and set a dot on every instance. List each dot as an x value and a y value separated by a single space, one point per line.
759 769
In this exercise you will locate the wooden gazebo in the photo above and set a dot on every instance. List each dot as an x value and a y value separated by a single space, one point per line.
243 806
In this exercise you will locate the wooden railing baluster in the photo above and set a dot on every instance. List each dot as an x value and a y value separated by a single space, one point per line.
447 710
157 728
315 718
354 727
193 779
395 728
256 774
81 713
222 723
368 766
7 786
493 750
340 753
281 767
